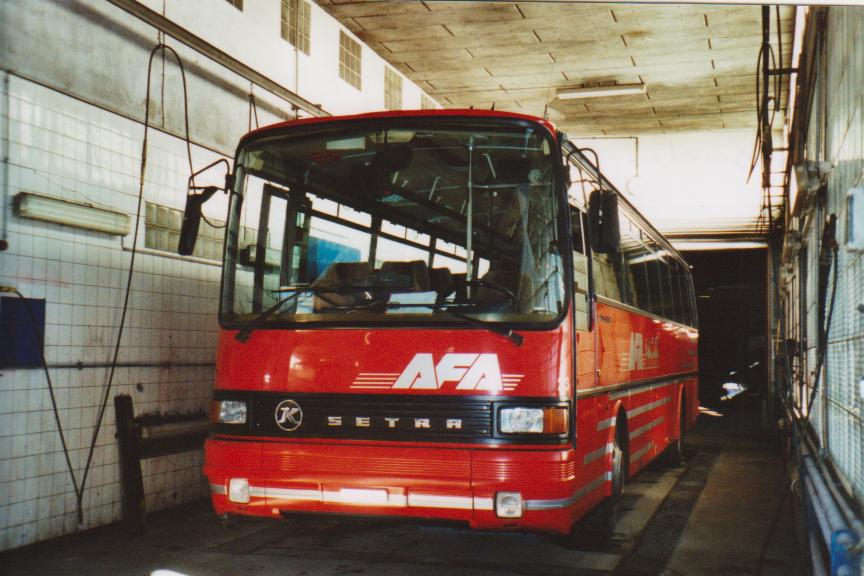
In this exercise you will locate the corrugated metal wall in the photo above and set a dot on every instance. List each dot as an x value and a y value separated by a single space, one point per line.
836 134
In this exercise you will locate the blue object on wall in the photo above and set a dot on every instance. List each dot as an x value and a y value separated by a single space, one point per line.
21 340
321 253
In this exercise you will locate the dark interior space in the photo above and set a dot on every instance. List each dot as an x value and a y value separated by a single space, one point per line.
730 297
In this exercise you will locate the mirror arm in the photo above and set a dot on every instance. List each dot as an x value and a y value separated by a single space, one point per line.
191 181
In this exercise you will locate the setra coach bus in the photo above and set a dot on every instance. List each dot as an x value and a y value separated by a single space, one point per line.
441 314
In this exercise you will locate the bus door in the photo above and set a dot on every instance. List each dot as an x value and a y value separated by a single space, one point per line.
585 361
282 235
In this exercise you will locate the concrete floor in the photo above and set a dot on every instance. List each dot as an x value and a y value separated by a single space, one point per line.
736 484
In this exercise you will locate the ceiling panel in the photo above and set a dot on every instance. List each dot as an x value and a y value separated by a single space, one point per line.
698 62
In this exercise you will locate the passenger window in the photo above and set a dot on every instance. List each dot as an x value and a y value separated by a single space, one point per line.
666 285
677 310
639 261
687 296
655 283
605 277
631 250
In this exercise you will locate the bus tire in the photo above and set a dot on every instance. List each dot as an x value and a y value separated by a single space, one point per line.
674 455
598 526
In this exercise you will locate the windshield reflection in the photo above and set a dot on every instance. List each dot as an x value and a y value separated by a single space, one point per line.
385 224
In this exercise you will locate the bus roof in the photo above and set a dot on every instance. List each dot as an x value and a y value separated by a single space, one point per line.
450 113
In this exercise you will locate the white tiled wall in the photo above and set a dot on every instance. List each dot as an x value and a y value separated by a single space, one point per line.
67 148
83 147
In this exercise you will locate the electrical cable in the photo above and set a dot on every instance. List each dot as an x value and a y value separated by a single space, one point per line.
823 336
779 52
757 142
211 223
40 337
253 109
158 48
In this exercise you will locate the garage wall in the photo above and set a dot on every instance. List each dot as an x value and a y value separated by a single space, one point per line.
834 136
72 108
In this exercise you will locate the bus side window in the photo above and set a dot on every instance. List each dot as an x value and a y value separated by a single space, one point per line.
682 314
655 283
639 259
580 269
631 249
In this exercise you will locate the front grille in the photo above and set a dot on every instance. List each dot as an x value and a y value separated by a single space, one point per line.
371 417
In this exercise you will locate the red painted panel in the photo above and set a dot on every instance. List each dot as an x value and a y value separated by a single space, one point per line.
356 361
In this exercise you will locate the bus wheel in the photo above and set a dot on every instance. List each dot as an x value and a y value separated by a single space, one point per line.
598 527
674 455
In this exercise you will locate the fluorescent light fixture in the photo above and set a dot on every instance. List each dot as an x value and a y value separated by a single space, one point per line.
599 91
68 213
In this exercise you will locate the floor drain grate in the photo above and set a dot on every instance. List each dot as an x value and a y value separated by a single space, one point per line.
660 536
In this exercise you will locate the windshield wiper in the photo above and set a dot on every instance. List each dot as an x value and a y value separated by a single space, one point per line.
493 327
244 332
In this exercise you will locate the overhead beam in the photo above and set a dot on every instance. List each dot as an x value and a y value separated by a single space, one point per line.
207 50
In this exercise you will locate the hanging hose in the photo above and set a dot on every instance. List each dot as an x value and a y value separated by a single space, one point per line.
40 337
106 396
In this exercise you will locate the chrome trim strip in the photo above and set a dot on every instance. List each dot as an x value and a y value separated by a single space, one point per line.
289 493
436 501
566 502
641 452
393 500
642 429
607 423
218 489
598 453
642 389
647 407
635 384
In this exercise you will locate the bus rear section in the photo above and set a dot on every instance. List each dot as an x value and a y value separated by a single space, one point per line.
401 328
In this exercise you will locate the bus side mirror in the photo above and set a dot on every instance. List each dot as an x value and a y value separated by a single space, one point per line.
196 196
603 221
192 219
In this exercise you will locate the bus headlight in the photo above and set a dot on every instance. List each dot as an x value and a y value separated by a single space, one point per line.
238 490
508 504
522 420
229 412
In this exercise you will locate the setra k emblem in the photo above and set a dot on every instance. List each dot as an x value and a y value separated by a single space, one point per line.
288 415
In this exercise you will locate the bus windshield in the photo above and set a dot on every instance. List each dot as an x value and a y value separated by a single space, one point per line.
401 221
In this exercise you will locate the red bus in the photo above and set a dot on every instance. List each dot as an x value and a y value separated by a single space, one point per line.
441 314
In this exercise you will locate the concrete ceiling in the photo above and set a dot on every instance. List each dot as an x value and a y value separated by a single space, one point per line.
698 62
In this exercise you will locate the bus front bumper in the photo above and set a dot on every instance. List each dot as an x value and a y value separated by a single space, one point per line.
540 489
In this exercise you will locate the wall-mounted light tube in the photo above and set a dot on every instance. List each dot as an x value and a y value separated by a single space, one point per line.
598 91
68 213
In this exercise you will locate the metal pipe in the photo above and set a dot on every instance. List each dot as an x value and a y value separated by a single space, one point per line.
207 50
823 524
816 559
469 232
169 365
7 138
836 519
766 126
849 515
171 429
